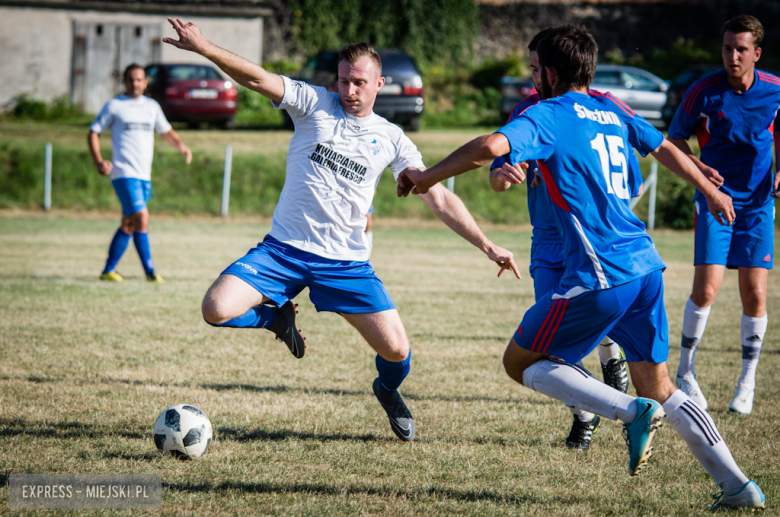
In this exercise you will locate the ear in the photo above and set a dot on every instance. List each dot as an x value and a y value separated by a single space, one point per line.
381 82
552 76
758 54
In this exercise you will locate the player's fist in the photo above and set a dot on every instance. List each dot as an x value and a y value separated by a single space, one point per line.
513 174
104 168
776 186
712 175
412 180
183 149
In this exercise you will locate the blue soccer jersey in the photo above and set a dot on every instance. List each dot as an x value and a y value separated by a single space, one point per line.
735 132
582 152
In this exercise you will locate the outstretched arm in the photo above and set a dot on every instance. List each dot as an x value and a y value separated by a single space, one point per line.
475 154
676 161
173 138
244 72
449 208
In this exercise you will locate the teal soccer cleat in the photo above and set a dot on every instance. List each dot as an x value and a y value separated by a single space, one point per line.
749 496
639 433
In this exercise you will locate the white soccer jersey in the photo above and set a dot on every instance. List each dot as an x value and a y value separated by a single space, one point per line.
334 164
132 123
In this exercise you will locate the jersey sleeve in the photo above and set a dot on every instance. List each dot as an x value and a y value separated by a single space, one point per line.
685 120
301 99
518 110
161 124
407 155
634 174
531 136
642 135
103 120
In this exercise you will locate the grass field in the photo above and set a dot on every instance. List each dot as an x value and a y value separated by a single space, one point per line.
86 367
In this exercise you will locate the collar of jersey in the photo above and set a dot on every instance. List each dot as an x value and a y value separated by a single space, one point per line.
360 121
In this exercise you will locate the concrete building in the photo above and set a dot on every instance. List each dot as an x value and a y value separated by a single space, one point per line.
79 48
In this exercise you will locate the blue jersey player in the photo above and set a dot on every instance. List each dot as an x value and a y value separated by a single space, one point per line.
336 158
546 265
612 283
733 114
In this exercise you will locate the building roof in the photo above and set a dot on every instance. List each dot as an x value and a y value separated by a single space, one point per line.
226 8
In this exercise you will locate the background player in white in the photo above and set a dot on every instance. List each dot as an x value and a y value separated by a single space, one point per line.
132 119
335 160
733 114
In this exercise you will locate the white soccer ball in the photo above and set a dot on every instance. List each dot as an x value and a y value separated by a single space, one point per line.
182 430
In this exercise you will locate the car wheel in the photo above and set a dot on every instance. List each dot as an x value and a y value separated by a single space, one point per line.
413 124
228 124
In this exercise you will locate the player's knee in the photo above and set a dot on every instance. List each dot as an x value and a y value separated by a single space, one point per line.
704 295
512 367
212 312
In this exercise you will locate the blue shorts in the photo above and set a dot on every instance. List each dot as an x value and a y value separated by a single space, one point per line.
546 267
133 194
280 272
749 242
633 314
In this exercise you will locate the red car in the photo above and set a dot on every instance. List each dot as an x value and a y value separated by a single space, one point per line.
193 94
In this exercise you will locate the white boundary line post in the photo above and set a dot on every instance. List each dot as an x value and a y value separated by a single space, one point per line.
47 178
451 184
226 180
651 185
651 199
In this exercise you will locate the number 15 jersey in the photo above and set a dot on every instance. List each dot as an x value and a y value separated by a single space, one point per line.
582 151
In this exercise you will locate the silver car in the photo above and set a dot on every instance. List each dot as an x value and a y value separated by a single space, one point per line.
644 92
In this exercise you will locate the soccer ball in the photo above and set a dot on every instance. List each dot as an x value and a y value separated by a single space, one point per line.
182 430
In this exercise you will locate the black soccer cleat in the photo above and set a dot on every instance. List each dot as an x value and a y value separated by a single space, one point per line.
284 328
582 433
401 420
615 373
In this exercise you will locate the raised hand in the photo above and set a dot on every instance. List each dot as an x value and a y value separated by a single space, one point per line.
190 37
504 259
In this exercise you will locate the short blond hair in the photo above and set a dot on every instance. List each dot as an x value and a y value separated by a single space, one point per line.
351 53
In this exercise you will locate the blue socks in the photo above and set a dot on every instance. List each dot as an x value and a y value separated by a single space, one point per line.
391 375
116 250
141 241
260 317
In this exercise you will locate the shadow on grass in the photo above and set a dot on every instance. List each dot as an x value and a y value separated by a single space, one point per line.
504 339
19 427
432 491
241 435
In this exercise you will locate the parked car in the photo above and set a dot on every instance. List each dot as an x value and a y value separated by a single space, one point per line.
514 90
644 92
401 98
193 94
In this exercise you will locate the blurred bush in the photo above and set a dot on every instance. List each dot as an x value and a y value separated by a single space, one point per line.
26 107
670 61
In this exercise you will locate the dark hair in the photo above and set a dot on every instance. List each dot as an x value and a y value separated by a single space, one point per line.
351 53
745 23
572 52
539 37
131 67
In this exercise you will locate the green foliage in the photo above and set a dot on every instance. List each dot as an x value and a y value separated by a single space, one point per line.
433 31
256 111
669 61
27 107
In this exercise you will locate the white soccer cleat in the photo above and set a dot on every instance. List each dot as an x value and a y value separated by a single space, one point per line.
743 401
690 387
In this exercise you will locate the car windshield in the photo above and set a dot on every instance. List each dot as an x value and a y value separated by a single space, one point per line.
188 72
397 63
637 81
607 77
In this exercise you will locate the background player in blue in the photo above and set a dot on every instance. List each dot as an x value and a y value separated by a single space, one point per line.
546 265
336 158
733 114
132 119
613 277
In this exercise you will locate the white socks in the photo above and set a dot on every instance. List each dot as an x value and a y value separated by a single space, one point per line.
694 323
698 430
575 388
608 349
752 332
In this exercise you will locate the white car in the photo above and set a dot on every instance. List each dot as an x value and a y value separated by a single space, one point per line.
644 92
